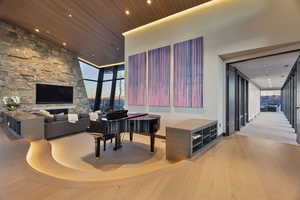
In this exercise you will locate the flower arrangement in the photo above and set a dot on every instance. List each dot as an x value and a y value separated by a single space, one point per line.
11 103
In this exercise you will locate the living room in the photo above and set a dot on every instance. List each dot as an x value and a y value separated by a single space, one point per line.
129 99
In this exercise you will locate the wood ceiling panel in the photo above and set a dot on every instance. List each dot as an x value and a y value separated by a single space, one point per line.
95 30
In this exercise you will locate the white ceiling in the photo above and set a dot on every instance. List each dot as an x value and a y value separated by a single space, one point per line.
269 72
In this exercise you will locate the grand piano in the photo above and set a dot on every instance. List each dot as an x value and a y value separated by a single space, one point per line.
140 123
147 124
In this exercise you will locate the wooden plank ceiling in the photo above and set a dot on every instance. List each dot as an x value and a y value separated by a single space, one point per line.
91 28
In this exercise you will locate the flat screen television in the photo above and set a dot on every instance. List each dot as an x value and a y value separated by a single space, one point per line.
53 94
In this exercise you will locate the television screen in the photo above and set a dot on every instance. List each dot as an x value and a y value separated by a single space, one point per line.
53 94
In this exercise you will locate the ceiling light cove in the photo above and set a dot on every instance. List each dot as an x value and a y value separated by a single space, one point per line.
149 2
127 12
190 11
100 66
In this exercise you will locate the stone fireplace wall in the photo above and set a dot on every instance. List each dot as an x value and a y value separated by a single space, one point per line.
26 59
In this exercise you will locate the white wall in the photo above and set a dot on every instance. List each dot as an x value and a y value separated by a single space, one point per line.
227 26
254 100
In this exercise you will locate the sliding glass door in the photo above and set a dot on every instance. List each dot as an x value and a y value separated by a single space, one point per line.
291 98
237 100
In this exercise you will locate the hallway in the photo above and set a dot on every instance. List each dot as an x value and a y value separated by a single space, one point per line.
270 125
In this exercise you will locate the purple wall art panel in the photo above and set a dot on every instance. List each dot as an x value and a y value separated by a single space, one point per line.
188 73
159 76
137 79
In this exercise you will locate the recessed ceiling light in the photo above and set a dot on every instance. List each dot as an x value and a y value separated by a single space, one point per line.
64 44
37 30
70 15
127 12
149 2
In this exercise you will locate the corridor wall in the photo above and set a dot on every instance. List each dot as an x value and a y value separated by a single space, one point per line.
254 100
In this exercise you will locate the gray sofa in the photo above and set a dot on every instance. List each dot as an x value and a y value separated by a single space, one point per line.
59 126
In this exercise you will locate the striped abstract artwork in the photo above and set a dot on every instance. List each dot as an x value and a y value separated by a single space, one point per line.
188 73
137 79
159 76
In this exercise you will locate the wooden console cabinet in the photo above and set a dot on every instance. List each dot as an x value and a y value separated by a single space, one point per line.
185 139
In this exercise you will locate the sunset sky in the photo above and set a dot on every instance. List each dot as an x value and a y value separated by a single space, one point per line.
92 73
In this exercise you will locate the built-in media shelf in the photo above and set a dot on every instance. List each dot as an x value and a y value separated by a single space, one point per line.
187 138
25 124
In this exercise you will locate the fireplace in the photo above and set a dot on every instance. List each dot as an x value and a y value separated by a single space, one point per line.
58 111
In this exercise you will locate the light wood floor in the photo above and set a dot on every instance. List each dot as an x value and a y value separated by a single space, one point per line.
238 167
72 158
272 126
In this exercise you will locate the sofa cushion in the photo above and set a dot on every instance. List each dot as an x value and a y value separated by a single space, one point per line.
83 115
46 113
49 119
39 114
64 128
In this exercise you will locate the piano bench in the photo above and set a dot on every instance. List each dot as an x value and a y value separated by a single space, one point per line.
98 137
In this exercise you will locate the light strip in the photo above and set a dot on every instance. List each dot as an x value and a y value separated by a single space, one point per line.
184 12
90 63
110 65
100 66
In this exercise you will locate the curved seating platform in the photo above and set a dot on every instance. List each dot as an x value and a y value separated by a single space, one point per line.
72 158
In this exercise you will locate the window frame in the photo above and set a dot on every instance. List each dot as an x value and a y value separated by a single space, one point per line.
100 81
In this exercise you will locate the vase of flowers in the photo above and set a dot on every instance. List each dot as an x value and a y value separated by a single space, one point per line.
11 103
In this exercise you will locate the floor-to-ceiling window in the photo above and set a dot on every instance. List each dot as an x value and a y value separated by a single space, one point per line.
119 100
104 86
112 95
270 100
90 76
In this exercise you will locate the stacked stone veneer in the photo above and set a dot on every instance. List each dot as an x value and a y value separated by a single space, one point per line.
26 59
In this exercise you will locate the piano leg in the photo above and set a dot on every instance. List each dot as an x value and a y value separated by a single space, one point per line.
152 140
97 147
117 142
131 136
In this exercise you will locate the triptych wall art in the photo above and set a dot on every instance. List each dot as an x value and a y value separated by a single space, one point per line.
137 79
159 76
188 73
187 76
